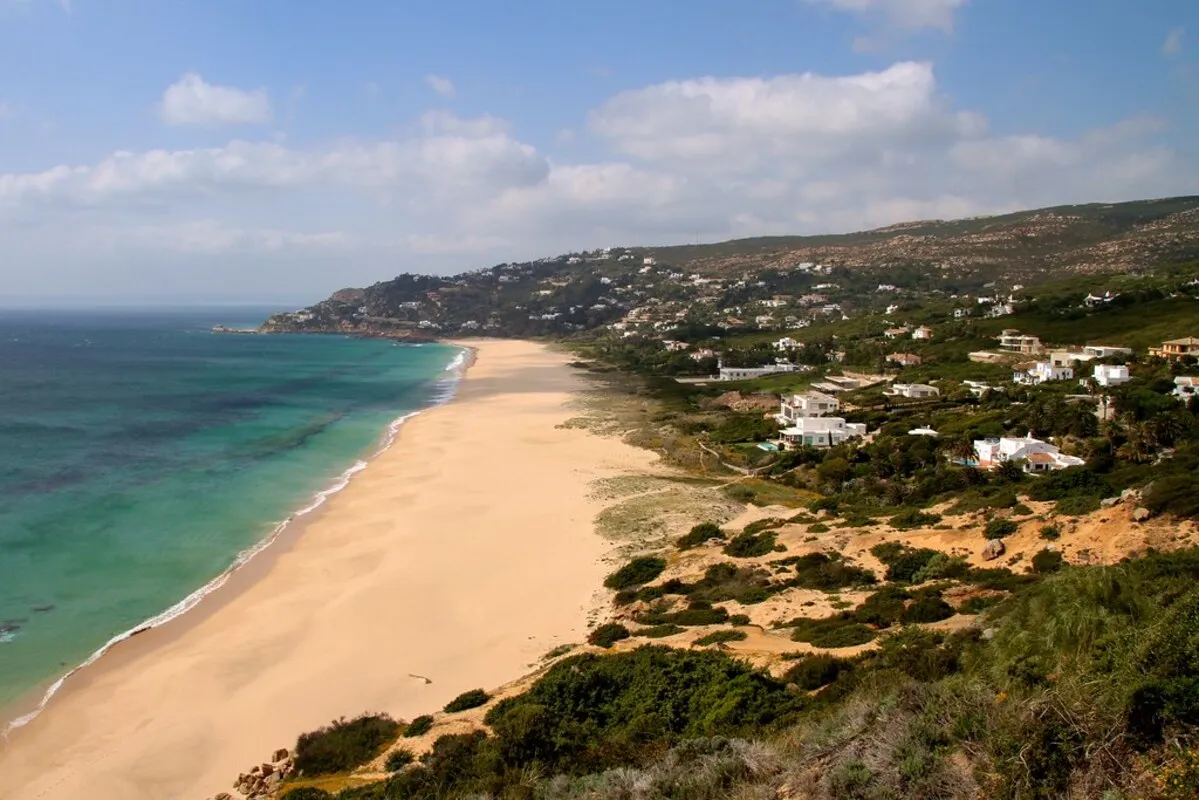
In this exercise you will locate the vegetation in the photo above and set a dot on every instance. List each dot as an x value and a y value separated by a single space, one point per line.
419 726
698 535
467 700
608 635
816 671
635 573
999 528
398 759
344 744
720 637
750 545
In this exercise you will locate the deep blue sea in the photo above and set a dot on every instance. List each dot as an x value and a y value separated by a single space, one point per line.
140 454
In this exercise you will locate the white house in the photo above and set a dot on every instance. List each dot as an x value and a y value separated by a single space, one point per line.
913 390
895 333
649 261
1015 342
1041 372
1186 387
673 346
787 343
1066 358
1111 374
749 373
978 388
1036 456
923 332
1107 351
821 432
807 404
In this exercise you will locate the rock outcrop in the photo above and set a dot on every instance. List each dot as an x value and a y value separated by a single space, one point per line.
993 549
263 780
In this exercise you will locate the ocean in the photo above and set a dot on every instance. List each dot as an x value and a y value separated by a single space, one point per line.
142 456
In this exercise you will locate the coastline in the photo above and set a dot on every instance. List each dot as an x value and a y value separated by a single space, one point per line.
27 708
334 617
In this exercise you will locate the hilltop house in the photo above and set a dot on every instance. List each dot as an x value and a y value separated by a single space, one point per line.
1186 387
1034 454
1041 372
1107 375
806 404
922 333
787 343
895 333
1107 351
821 432
1177 348
1066 358
905 359
749 373
978 388
1015 342
916 391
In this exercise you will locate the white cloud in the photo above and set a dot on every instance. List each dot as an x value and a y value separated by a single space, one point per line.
440 84
718 157
1172 46
193 101
910 14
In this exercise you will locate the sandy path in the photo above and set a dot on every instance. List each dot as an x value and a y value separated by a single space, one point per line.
463 553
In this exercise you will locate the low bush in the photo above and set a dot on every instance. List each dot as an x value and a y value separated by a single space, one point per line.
307 793
903 563
832 632
977 604
941 567
1174 494
1050 533
826 571
817 670
608 635
698 613
1072 482
999 528
914 518
635 573
699 535
768 524
717 637
928 609
419 726
750 545
398 759
1047 561
1000 578
468 700
884 608
1076 505
660 631
819 527
344 744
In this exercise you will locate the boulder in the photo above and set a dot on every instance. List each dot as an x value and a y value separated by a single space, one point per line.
280 755
1141 514
223 796
993 549
1110 502
272 781
266 769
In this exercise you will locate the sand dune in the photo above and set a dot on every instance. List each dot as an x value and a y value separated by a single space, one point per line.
462 554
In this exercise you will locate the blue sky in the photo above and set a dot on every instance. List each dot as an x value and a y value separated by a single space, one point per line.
262 149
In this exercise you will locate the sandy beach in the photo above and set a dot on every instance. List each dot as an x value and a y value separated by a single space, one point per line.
461 554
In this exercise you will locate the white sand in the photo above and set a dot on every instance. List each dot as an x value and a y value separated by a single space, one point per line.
463 554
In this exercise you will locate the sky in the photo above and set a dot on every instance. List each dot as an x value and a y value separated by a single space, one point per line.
198 151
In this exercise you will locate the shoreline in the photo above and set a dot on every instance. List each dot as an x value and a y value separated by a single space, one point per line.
115 693
31 704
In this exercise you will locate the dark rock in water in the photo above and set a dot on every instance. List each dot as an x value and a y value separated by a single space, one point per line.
43 609
10 625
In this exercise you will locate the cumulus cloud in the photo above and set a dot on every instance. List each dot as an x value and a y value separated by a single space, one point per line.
1172 46
910 14
718 157
440 84
193 101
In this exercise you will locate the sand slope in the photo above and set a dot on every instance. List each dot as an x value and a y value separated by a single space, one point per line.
462 554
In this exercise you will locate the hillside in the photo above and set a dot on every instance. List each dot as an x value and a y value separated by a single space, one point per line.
726 284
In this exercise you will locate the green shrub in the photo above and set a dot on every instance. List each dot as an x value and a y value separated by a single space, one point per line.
739 620
1072 482
770 523
1174 494
468 700
1000 578
1051 532
833 632
419 726
750 545
1047 561
660 631
698 535
884 608
941 567
635 573
999 528
817 670
914 518
698 613
608 635
928 609
819 527
1021 510
903 563
977 604
343 745
307 793
824 504
718 637
1076 505
398 759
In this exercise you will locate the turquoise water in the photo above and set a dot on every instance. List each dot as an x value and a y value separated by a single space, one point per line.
140 454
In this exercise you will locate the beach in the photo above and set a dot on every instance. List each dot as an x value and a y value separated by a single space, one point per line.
453 561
